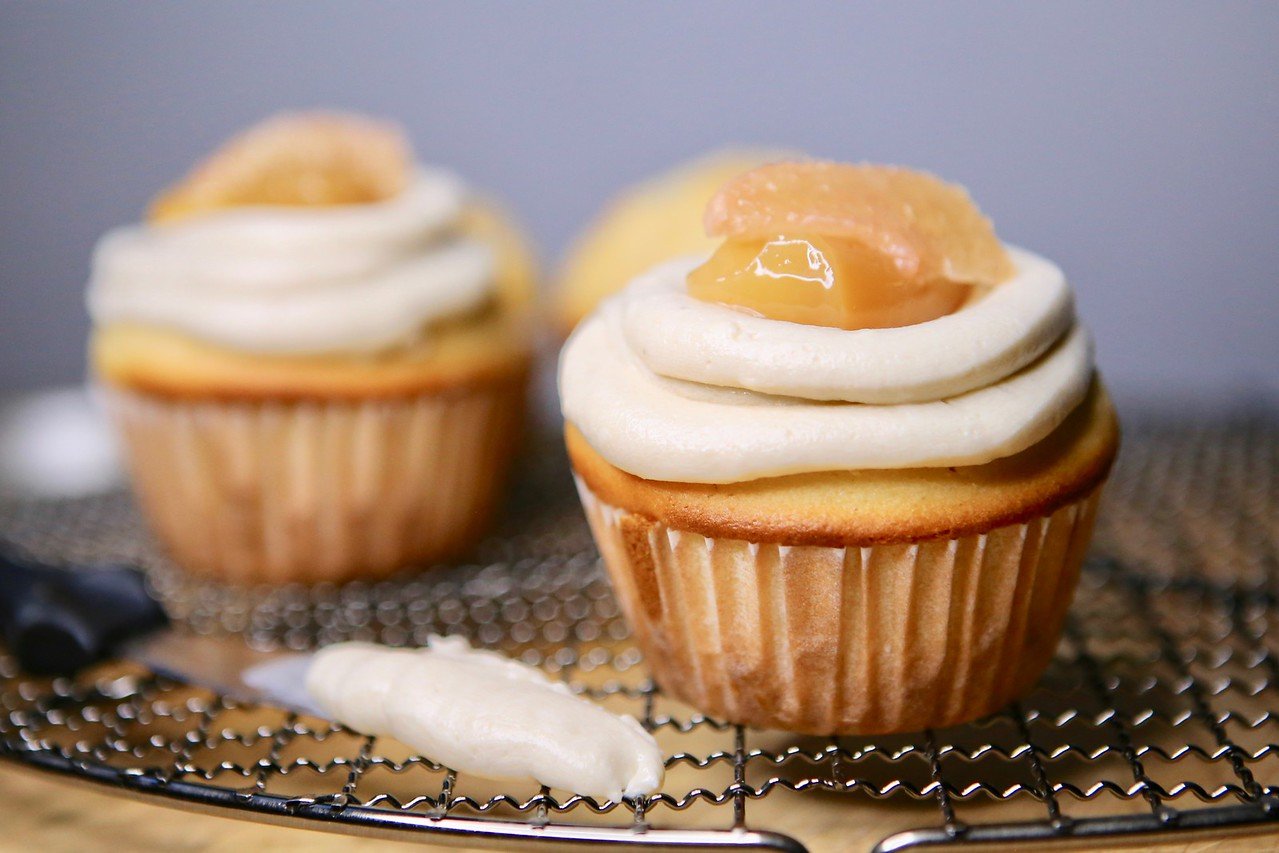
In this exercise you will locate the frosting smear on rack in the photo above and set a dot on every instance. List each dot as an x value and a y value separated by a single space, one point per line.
476 711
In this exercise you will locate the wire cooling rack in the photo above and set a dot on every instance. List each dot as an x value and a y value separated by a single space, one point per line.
1159 713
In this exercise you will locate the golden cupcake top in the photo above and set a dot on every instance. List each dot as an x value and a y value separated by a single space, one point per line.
312 159
849 246
645 224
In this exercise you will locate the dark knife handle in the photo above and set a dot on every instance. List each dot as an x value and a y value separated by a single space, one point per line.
57 620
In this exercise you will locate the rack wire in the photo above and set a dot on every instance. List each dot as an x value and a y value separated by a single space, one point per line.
1159 713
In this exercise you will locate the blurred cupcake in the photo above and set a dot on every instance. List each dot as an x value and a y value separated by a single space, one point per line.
843 471
651 222
316 353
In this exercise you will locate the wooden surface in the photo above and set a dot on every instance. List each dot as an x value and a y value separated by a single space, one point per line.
49 814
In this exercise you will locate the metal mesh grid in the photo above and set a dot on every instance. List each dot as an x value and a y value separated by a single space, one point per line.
1162 697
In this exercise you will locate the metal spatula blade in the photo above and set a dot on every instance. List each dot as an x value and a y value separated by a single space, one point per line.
227 666
58 620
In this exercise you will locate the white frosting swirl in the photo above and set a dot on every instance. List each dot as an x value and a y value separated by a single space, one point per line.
299 280
670 388
685 338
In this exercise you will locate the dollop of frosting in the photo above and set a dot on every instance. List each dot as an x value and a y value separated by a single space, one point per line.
668 387
476 711
300 280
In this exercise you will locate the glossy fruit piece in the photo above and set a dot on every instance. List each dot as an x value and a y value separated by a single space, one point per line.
927 228
821 281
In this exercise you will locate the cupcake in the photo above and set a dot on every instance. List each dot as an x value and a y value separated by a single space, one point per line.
658 219
316 352
844 470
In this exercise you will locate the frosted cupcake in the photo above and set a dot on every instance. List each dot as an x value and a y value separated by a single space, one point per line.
653 221
316 352
843 472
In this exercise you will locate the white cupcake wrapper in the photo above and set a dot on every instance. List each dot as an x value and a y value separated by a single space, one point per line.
277 492
870 640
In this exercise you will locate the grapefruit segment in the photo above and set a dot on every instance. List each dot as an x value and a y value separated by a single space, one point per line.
925 226
295 160
853 247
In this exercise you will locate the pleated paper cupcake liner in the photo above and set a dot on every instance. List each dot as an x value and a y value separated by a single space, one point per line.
870 640
276 492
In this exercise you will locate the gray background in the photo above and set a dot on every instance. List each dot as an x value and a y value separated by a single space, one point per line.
1134 143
